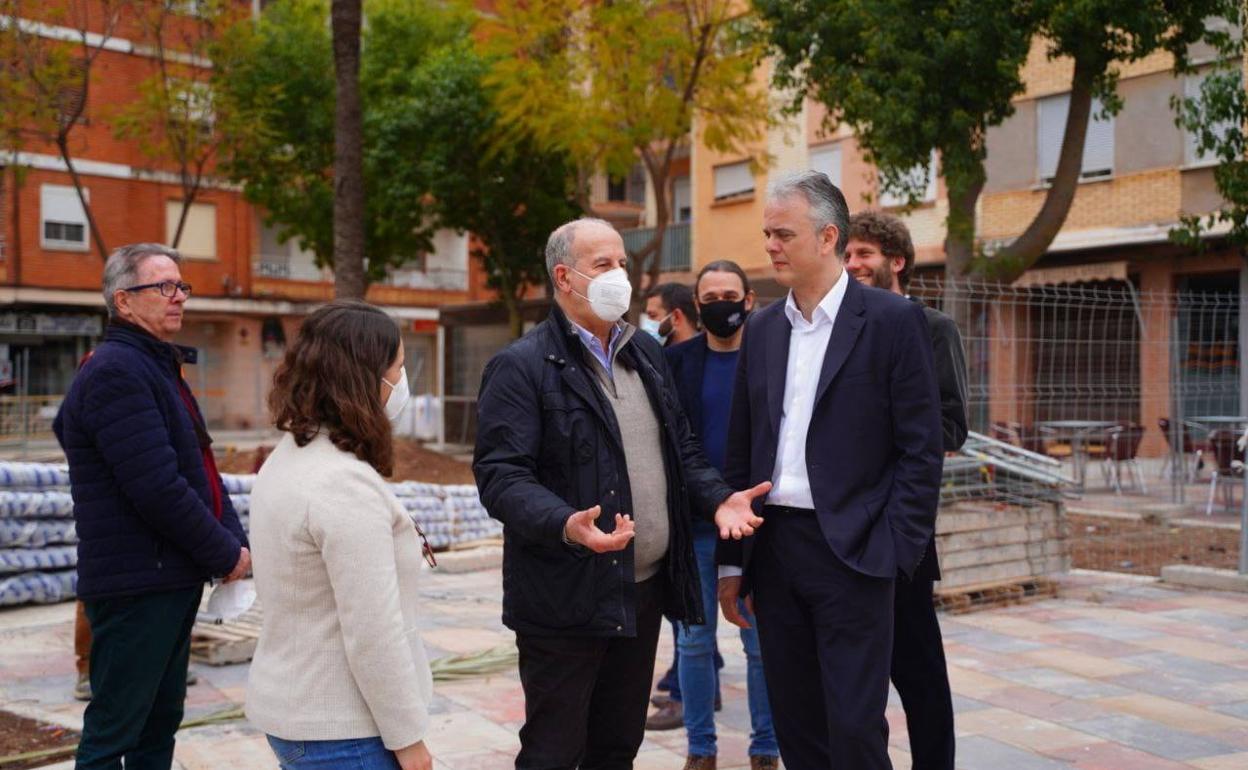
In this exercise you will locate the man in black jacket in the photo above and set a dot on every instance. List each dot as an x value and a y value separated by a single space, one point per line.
881 254
580 417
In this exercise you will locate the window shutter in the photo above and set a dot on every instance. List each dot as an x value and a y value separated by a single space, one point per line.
1050 124
827 159
733 179
1098 148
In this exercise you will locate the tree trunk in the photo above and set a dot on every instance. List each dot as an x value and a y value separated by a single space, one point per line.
965 177
62 144
1012 260
349 279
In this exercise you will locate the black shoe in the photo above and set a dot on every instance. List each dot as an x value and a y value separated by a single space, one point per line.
669 717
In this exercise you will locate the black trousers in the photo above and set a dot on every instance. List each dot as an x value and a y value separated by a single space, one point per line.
826 634
139 653
585 698
920 676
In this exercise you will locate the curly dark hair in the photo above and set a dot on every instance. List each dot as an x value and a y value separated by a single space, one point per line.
330 381
890 234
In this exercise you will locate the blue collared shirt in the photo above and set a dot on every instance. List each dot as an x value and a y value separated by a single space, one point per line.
594 345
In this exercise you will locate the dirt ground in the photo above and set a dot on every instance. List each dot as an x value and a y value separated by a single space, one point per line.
412 462
1143 548
19 735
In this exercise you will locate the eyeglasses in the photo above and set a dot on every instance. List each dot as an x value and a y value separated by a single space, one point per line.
426 550
168 289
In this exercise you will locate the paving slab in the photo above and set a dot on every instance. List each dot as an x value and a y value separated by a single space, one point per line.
1113 674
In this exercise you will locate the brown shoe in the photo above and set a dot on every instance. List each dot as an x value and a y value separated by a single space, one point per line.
693 762
764 762
669 716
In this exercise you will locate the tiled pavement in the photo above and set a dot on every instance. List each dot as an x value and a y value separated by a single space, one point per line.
1114 674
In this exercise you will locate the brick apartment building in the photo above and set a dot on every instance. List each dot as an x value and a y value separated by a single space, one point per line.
250 289
1141 173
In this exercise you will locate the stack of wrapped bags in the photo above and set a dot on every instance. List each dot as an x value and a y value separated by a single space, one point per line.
38 544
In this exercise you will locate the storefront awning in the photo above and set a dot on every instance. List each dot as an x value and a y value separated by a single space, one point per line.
1051 276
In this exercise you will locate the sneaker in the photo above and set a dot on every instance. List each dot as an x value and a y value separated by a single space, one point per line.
694 762
670 716
764 762
191 678
660 699
82 690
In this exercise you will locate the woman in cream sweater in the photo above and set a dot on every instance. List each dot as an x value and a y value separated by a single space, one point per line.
340 679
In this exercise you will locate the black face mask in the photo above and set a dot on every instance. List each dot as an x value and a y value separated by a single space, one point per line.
724 317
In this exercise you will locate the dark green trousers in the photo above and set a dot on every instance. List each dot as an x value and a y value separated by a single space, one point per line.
140 649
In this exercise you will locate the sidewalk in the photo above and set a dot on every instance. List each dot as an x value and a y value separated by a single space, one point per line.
1116 674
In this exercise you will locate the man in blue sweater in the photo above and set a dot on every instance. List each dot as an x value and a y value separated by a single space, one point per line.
704 369
154 522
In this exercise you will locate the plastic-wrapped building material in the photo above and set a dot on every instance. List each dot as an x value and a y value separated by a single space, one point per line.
38 542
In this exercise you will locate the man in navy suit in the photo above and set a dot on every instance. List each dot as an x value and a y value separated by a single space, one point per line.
835 403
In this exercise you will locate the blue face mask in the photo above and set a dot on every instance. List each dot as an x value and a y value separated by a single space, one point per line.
651 327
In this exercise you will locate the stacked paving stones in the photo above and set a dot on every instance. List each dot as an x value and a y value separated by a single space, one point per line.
38 544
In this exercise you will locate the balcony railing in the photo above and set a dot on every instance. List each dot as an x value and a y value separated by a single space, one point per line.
282 266
435 279
676 250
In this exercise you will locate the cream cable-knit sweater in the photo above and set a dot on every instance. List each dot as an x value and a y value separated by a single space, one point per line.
336 561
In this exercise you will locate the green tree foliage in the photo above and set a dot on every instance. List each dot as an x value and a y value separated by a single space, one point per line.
611 83
910 76
1216 117
432 158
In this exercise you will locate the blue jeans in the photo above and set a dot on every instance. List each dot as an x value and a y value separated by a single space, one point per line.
349 754
697 664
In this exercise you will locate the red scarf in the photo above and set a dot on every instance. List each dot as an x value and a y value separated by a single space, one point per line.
210 462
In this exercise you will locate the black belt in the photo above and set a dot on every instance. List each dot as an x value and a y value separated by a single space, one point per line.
784 510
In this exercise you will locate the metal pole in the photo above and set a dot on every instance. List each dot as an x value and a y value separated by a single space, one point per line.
1243 409
24 395
440 366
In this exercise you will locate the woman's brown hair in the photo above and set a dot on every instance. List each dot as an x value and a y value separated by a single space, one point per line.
330 381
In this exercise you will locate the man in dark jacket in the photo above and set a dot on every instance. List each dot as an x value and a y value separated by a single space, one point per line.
153 519
577 418
881 254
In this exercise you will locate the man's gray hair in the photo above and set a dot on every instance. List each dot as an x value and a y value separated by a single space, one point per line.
827 202
559 245
122 268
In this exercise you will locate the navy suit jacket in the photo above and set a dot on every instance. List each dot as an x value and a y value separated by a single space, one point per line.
873 449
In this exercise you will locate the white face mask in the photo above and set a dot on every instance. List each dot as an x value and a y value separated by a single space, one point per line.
609 293
651 326
399 396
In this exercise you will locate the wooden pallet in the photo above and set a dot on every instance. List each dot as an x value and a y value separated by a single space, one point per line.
223 644
986 596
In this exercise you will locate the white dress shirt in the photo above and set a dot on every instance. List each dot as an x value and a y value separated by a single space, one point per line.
808 342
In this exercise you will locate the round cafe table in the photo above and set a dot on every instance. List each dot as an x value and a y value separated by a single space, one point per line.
1077 431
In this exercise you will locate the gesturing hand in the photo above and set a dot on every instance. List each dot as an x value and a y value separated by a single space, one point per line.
735 516
581 529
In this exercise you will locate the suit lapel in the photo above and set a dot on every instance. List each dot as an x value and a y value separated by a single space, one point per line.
776 344
845 330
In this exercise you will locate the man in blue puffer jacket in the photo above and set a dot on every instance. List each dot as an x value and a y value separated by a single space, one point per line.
154 522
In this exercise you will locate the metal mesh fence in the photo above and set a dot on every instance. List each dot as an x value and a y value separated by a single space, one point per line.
1133 398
